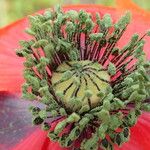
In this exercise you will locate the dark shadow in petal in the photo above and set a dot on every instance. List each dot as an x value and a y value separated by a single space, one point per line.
15 120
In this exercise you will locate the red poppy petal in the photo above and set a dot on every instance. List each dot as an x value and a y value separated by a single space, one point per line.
140 22
10 64
36 141
140 137
15 121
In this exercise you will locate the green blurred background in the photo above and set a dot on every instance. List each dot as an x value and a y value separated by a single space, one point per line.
11 10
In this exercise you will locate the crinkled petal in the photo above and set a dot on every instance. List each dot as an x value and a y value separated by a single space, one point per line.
15 122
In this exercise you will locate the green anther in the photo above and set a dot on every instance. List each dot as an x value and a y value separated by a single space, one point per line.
74 117
104 115
60 126
52 136
83 16
84 108
48 14
62 112
74 55
72 14
60 94
24 44
49 50
146 107
128 81
70 28
101 94
43 114
89 25
30 32
106 104
75 133
111 69
107 21
40 43
102 130
96 36
148 33
28 96
135 96
114 122
54 113
117 104
124 20
83 122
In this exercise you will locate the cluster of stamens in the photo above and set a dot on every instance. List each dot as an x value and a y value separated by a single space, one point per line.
93 90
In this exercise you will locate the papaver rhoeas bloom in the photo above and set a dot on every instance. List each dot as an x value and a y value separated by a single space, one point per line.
11 79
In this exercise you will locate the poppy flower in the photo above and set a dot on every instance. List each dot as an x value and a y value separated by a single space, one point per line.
16 119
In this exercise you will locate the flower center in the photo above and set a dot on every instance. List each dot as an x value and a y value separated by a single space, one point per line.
80 83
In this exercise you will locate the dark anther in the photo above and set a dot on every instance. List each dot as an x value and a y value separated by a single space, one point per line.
103 43
117 31
138 112
63 137
19 53
37 120
126 132
115 52
77 132
69 143
112 39
118 139
105 143
46 126
36 109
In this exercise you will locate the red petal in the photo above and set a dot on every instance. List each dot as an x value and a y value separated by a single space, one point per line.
140 22
140 137
10 64
11 78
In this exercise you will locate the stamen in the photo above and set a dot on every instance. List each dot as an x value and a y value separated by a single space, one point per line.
87 83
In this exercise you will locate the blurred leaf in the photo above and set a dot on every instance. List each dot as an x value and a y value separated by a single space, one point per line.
143 3
15 9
